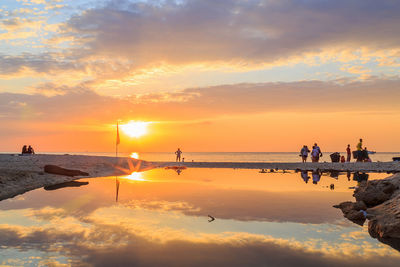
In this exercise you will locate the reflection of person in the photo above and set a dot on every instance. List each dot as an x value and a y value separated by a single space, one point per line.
304 153
348 150
316 153
316 176
178 154
304 176
357 176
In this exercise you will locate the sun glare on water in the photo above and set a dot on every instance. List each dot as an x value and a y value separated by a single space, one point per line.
135 128
134 155
135 176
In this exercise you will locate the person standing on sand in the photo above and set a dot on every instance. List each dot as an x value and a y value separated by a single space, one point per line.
348 150
359 145
359 151
316 153
304 153
178 154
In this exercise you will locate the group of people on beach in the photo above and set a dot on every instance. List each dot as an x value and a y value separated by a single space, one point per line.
315 153
361 154
27 150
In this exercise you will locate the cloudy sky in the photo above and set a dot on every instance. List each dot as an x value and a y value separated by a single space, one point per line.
250 75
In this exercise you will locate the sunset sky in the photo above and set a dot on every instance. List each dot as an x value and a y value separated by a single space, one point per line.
208 75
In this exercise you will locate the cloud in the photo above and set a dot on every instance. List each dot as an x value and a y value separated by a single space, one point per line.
120 39
107 245
234 32
376 95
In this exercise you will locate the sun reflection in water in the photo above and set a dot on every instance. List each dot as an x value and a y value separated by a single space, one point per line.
134 155
135 176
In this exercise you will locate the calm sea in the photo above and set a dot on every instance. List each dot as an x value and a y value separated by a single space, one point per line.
231 156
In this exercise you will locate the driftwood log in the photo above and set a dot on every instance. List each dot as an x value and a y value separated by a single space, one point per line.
61 171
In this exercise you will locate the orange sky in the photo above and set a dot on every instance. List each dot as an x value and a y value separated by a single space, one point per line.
226 76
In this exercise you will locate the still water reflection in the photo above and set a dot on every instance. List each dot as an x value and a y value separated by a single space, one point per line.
161 218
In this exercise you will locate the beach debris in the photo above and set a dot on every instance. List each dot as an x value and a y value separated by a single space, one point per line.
53 169
211 218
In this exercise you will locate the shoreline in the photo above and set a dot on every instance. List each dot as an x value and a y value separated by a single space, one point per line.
389 167
19 174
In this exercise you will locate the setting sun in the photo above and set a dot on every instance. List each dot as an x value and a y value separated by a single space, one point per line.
135 128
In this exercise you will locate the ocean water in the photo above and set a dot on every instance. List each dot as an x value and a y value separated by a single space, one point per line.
231 156
161 218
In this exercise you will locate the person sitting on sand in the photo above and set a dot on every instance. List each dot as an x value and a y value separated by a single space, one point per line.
178 154
30 150
24 150
316 153
304 153
365 155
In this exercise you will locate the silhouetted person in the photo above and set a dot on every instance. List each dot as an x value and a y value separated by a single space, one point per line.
359 145
359 151
316 153
178 154
304 153
30 150
365 155
348 150
24 150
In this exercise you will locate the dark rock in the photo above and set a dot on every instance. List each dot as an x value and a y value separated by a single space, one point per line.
385 219
356 217
373 193
352 211
61 171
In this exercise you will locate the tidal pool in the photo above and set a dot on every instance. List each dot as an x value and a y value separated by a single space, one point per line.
160 218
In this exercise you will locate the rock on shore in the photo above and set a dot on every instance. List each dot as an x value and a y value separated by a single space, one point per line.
381 199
